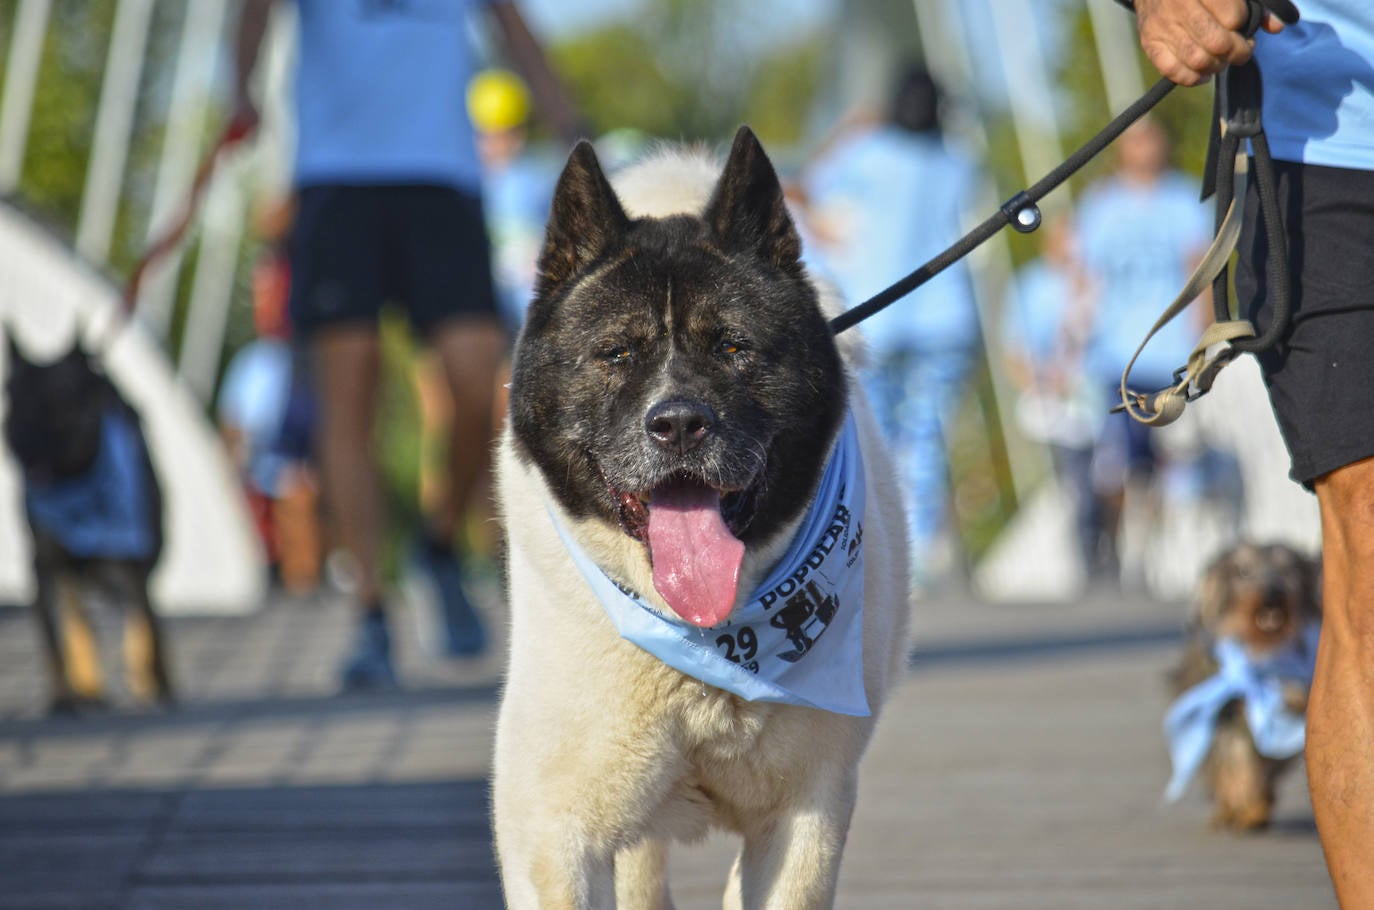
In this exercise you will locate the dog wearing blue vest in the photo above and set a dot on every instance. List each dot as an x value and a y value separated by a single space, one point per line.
707 561
94 507
1241 686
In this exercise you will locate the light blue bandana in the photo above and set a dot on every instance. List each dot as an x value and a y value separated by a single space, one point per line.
798 640
103 512
1278 732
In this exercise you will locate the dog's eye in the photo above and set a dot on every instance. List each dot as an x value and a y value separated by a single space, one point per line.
617 354
730 347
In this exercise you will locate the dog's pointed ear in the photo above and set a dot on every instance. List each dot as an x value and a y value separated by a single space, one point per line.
747 210
585 218
1213 594
13 354
78 351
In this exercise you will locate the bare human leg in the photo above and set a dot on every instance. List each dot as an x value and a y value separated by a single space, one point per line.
348 359
1340 717
469 350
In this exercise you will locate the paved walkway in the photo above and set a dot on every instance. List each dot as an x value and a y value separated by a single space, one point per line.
1020 766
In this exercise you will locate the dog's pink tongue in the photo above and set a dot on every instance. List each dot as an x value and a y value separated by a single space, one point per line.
696 558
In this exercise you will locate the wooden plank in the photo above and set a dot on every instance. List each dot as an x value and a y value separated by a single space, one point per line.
273 856
409 896
454 806
39 868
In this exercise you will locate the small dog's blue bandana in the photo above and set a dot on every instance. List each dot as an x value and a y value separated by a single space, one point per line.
102 513
798 639
1278 732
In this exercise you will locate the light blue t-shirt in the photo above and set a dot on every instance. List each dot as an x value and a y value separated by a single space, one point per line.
1139 245
894 200
1319 85
253 398
1037 301
381 93
516 198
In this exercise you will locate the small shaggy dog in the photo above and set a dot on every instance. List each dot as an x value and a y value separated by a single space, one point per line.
1243 681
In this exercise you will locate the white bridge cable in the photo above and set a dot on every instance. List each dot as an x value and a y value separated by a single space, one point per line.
1114 37
114 121
21 82
1030 95
945 47
192 82
212 289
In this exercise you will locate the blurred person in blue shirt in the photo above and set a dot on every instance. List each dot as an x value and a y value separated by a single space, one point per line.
1046 319
517 186
883 200
1141 231
389 209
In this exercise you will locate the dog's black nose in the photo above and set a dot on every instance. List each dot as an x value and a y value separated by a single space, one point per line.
679 425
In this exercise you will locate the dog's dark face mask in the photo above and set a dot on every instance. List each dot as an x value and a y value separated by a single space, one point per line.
52 421
676 375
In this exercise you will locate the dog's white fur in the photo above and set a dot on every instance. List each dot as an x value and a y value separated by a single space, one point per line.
604 754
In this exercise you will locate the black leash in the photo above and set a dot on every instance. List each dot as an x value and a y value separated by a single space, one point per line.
1020 211
1238 100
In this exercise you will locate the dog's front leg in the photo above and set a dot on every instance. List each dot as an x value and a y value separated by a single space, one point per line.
145 653
641 879
80 647
556 870
792 861
565 808
46 610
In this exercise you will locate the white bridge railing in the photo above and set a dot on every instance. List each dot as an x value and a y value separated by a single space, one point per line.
195 97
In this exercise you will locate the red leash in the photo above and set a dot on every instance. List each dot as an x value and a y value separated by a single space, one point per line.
234 133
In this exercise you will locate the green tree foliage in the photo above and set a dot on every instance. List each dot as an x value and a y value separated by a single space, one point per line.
617 82
61 129
686 70
61 132
784 90
63 118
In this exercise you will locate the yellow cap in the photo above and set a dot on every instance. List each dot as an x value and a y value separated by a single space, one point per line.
497 100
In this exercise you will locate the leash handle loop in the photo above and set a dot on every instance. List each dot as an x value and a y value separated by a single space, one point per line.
1166 406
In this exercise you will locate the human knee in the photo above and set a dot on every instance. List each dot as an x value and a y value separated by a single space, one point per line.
1346 496
1347 502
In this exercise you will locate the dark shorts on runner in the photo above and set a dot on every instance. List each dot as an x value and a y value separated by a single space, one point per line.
354 248
1321 378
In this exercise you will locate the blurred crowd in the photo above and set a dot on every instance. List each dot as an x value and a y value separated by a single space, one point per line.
891 191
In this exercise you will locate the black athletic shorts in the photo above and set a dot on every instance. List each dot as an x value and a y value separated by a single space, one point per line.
1321 377
354 248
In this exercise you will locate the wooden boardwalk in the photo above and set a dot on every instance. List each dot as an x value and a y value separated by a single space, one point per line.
1020 766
